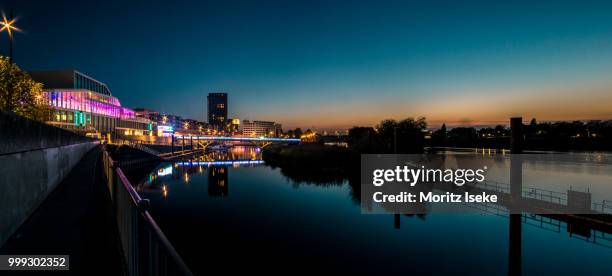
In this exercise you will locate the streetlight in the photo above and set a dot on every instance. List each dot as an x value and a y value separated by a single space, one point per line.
8 24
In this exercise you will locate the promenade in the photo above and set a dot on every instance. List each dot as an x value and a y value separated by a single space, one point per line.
76 219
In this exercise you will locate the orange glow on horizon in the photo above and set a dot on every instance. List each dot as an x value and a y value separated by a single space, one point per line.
568 104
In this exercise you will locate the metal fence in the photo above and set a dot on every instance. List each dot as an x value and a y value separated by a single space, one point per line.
146 249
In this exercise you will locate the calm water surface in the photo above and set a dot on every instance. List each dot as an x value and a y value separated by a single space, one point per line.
232 218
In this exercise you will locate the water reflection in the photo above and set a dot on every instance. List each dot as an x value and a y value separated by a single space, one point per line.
214 164
217 182
303 219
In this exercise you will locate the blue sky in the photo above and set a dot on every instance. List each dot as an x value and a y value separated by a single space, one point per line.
334 64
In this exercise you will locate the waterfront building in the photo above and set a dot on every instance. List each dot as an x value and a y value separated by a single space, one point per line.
278 128
260 128
217 110
147 113
189 124
173 121
233 126
82 104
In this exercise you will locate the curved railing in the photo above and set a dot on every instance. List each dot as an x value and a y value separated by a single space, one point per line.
146 249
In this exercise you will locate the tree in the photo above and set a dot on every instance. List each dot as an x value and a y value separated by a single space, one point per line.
463 137
440 136
364 140
405 136
297 132
19 93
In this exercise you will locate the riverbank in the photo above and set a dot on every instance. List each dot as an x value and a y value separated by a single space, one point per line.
313 162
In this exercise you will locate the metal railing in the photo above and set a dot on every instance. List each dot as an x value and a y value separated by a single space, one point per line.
545 195
145 149
146 249
605 206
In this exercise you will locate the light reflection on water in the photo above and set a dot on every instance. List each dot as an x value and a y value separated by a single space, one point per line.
253 215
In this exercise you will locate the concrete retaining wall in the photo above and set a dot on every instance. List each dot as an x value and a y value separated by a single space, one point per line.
19 134
28 177
34 159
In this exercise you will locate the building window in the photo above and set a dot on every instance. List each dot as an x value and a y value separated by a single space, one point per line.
221 106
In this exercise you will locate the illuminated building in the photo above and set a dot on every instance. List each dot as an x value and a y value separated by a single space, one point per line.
70 79
189 127
260 128
233 126
85 105
174 121
165 130
189 124
217 110
146 113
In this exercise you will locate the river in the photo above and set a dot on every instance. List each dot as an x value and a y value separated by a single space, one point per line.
249 216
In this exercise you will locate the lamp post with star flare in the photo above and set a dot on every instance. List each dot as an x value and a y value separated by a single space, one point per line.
8 25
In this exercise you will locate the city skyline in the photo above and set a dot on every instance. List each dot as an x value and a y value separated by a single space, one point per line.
334 65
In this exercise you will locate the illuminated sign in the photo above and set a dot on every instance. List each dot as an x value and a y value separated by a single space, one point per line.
164 171
79 118
165 128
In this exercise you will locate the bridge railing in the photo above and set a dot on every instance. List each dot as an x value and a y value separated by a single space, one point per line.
145 149
545 195
146 249
605 206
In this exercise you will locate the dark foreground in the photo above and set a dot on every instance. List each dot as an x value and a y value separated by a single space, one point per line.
77 220
232 219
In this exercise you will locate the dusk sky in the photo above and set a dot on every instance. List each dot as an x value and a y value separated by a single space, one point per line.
333 64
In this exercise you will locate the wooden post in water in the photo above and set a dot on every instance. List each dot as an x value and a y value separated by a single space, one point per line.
515 265
516 135
396 221
516 190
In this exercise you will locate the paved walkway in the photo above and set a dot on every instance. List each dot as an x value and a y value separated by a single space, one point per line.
76 219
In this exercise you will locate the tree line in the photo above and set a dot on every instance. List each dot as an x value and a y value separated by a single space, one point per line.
389 136
411 136
591 135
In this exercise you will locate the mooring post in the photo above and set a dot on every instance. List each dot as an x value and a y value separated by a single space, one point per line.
396 221
516 190
516 135
515 245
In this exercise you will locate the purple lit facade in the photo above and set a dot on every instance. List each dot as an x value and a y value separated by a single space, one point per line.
91 112
86 105
87 101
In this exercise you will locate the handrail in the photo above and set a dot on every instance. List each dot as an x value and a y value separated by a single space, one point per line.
166 243
141 206
145 149
136 199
